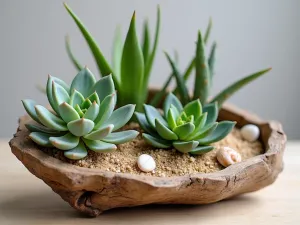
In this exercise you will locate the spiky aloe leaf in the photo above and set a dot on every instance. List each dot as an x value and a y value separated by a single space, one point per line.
117 54
183 131
40 128
200 150
171 118
106 108
208 30
65 142
222 130
94 98
211 61
100 133
41 138
121 116
121 137
171 99
79 152
204 132
182 89
103 66
67 112
73 59
202 78
227 92
193 108
152 114
29 106
142 120
148 65
146 41
81 127
156 142
212 112
50 120
185 146
164 131
132 69
104 87
189 70
92 112
76 98
100 146
83 82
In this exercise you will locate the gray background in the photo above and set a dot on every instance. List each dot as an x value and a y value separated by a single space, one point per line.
251 35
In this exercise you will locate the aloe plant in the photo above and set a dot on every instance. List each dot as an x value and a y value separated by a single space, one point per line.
204 73
82 116
189 129
131 62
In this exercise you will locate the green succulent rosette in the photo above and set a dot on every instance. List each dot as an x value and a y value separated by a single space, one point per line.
189 129
82 116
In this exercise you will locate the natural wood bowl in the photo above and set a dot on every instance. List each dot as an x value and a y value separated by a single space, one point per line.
93 191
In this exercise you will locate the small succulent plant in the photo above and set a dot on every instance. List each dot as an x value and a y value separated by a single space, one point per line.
82 116
189 129
131 61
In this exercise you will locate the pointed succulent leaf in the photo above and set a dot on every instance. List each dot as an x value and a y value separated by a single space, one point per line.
78 110
103 66
100 134
81 127
230 90
41 138
202 78
40 128
142 120
171 99
79 152
106 108
183 131
92 112
207 32
185 146
211 61
146 41
59 94
29 107
100 146
121 116
86 104
199 123
152 114
94 98
75 62
156 142
207 130
104 87
200 150
193 108
76 98
117 54
212 113
223 129
164 131
66 142
121 137
50 120
83 82
171 118
67 112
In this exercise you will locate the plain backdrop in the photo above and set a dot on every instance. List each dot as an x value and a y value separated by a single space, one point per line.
251 35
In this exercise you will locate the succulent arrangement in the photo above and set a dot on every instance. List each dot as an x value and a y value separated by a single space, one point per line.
82 116
189 129
131 61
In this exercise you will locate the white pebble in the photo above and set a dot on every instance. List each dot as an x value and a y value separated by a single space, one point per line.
250 132
227 156
146 163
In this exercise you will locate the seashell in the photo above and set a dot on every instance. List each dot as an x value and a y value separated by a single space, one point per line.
227 156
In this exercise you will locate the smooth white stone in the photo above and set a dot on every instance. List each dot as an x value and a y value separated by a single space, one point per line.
146 163
228 156
250 132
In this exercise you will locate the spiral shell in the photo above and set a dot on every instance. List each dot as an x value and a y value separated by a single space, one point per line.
227 156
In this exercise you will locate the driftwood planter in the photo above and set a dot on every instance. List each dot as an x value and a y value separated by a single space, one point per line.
93 191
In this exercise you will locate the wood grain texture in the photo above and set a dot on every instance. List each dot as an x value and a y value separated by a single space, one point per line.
93 191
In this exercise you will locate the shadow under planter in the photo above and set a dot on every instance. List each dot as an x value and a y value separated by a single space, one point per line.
93 191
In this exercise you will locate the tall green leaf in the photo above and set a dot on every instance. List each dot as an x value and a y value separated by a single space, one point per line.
159 95
117 54
208 30
146 41
132 69
227 92
103 66
73 59
211 61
